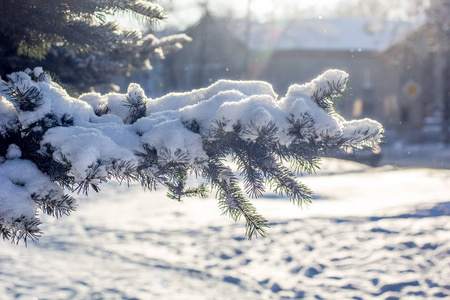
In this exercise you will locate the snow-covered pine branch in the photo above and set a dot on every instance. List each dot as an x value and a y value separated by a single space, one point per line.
51 143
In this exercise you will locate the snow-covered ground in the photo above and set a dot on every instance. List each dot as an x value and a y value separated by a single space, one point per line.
371 233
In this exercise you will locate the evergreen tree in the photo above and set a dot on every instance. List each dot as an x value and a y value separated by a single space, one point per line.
74 40
51 143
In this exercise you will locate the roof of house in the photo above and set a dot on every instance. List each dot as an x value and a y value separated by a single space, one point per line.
357 34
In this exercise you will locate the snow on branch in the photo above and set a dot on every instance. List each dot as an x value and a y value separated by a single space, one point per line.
51 143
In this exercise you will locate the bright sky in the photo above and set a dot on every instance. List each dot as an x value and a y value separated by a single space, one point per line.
188 11
183 13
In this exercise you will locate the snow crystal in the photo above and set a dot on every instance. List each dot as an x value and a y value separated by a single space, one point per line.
22 81
226 175
250 103
159 54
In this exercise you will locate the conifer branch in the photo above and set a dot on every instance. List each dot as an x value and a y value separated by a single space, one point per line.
5 231
137 108
76 42
24 229
53 206
324 95
123 171
25 98
78 146
233 203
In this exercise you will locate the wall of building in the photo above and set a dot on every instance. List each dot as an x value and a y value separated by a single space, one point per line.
363 96
214 54
398 87
413 91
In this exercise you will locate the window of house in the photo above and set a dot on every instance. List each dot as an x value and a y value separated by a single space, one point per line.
358 106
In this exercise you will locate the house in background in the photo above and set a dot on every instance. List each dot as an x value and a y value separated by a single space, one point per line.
413 97
215 53
393 77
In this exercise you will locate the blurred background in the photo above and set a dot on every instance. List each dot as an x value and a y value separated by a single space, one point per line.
396 53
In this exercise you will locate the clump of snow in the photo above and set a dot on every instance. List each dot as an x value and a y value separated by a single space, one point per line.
93 99
12 210
325 125
13 152
8 114
146 124
19 180
176 41
333 76
319 85
53 100
255 111
135 91
38 71
114 102
176 101
354 131
254 104
203 112
171 136
82 148
226 175
61 104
